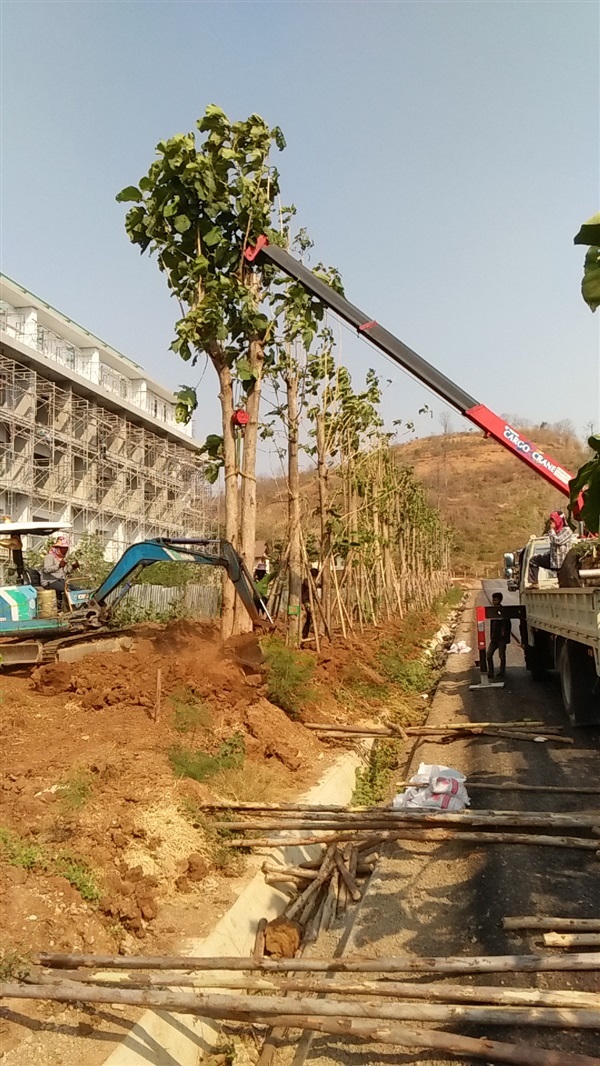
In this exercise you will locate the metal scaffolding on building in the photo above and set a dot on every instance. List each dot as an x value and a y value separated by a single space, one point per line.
66 457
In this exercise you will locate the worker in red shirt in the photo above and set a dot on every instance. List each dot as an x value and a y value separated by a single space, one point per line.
561 539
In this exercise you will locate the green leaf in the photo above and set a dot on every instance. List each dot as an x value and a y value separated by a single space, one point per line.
182 223
591 507
212 237
129 194
279 139
589 232
244 370
590 285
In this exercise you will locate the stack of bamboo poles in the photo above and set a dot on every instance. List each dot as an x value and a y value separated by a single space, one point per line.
323 887
528 731
560 932
369 827
359 1008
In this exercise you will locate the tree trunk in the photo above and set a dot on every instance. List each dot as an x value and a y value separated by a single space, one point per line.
247 516
231 487
294 541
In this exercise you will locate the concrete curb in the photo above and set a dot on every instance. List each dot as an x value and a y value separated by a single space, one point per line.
163 1039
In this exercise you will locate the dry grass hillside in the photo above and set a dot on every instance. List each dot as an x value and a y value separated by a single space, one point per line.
491 500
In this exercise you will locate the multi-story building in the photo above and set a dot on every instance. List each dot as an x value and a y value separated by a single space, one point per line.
87 437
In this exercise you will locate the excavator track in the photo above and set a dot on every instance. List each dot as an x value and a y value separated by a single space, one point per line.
51 648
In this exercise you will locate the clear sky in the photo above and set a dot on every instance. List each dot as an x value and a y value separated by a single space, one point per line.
441 154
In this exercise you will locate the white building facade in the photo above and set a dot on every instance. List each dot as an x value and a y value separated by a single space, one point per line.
87 437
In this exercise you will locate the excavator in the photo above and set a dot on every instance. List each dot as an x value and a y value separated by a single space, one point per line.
26 638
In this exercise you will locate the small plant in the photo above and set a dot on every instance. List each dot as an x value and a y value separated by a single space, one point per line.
18 852
411 674
79 875
76 790
14 967
373 783
188 712
199 765
288 675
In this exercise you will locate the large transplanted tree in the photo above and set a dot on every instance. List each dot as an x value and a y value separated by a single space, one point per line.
201 202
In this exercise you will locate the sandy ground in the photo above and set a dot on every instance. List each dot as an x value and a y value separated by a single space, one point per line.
446 900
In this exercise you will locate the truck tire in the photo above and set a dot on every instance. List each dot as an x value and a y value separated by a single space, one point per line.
577 681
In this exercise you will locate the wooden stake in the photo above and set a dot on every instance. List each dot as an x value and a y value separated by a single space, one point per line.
259 940
348 964
158 694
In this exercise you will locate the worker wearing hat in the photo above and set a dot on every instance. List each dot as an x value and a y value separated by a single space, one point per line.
54 568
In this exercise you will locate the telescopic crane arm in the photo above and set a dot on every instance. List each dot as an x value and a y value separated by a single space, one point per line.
491 424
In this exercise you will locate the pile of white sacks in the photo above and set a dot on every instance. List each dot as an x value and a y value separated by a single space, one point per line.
434 788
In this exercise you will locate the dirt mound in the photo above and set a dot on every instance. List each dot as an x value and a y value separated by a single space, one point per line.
52 679
279 737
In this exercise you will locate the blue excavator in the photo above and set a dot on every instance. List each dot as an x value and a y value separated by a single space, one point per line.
26 638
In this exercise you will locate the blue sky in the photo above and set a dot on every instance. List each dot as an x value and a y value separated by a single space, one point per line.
442 156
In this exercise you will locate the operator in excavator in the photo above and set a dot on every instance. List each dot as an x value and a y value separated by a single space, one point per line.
55 568
561 538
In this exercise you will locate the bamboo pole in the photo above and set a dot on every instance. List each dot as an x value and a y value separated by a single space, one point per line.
431 836
351 885
541 819
375 1032
297 873
441 993
349 964
449 1043
272 1007
556 925
509 787
386 731
572 940
314 887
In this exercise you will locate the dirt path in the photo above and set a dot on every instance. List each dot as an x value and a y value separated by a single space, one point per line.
442 900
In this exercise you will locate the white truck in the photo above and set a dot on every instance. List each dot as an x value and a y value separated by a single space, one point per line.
561 631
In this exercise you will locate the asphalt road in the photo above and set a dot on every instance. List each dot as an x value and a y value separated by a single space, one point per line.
449 899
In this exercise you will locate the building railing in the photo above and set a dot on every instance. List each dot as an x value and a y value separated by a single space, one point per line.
53 346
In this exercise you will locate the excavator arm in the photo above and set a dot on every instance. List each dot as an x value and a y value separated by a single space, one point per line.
169 550
491 424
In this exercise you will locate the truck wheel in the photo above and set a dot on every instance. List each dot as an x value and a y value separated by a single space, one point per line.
577 682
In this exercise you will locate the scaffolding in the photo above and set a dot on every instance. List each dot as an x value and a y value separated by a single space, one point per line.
67 458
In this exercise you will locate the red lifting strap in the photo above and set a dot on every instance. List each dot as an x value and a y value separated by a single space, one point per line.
367 325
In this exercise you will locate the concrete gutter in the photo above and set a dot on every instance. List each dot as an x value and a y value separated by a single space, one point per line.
163 1039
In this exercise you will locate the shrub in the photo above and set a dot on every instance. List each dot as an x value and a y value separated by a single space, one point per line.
288 675
76 790
18 852
188 712
199 764
373 783
411 674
